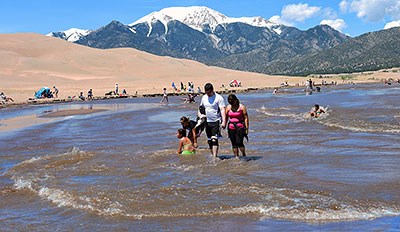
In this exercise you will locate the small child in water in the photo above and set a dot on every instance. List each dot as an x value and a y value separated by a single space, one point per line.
185 144
316 111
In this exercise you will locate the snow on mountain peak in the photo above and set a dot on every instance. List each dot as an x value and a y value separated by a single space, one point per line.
196 16
72 34
199 16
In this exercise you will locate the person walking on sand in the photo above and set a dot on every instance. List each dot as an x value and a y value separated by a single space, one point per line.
55 91
116 88
165 96
215 112
90 94
238 124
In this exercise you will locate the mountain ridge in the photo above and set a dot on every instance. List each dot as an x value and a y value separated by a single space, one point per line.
205 35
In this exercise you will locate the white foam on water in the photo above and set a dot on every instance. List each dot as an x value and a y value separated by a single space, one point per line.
315 214
63 198
362 129
276 113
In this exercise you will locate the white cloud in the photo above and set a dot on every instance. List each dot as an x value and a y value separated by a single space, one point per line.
329 13
344 5
278 20
373 10
298 12
337 24
392 24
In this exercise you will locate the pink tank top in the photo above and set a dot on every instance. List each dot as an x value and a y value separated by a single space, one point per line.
236 117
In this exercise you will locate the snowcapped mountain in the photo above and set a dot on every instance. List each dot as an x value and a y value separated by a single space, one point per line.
72 35
201 17
203 34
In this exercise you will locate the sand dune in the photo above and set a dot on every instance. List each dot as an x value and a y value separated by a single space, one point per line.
30 61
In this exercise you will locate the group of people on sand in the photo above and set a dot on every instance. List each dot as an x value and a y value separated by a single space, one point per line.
190 98
214 115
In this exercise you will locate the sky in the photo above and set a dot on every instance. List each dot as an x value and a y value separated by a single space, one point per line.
352 17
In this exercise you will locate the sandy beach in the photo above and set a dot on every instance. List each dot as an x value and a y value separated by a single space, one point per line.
31 61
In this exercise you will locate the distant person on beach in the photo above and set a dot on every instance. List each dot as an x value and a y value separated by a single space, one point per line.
55 91
215 111
116 88
81 96
124 92
316 111
190 98
199 90
165 96
185 146
174 86
90 94
309 85
238 124
4 98
275 91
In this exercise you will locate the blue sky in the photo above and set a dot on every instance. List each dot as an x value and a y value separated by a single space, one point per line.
352 17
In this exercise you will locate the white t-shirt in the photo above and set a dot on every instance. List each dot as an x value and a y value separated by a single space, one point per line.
213 105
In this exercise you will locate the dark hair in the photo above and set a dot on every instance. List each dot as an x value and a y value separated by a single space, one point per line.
232 97
316 106
182 132
202 109
184 119
208 87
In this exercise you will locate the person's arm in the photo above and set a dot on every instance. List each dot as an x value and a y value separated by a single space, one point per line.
223 117
180 147
194 137
246 119
228 108
222 109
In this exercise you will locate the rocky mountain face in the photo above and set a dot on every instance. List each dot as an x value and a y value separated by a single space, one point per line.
368 52
202 34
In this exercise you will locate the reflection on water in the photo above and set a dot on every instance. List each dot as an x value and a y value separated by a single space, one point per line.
118 168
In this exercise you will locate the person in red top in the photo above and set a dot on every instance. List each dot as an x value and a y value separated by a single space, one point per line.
238 125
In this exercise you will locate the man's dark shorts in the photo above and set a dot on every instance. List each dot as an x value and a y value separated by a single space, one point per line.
212 130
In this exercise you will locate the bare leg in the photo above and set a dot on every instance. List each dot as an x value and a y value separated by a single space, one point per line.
235 151
243 150
214 151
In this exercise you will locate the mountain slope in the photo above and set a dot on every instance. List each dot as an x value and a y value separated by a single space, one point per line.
279 49
371 51
205 35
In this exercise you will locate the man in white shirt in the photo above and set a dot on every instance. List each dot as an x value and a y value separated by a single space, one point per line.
215 112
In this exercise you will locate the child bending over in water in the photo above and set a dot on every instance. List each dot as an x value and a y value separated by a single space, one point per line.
316 111
185 144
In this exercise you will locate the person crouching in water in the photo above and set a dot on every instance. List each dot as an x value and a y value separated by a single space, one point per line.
238 124
185 144
190 125
316 111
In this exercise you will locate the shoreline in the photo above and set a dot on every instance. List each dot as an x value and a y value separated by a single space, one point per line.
227 90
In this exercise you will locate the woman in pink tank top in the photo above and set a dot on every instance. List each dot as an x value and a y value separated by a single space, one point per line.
238 126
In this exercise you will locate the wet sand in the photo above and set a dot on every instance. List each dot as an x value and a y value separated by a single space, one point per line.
19 122
71 112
